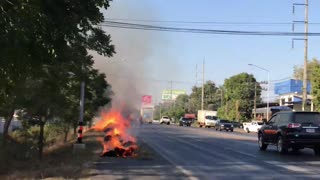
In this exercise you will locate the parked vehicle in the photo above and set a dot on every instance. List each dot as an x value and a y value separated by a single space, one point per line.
165 120
185 121
295 130
253 126
207 118
224 125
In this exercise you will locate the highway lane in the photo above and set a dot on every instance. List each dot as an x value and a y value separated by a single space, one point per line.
209 154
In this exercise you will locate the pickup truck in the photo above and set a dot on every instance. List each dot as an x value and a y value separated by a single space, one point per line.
253 126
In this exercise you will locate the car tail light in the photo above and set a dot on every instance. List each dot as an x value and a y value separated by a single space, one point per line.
294 125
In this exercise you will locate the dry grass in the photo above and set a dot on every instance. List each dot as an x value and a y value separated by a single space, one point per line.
59 162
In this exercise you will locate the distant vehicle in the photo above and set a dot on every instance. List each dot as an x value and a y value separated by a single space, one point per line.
207 118
190 116
295 130
185 121
224 125
253 126
147 114
165 120
237 125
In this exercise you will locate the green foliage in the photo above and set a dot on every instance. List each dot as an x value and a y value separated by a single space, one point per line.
44 42
52 134
315 85
212 96
298 70
239 95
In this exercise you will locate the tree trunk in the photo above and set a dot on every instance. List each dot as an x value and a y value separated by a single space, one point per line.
41 143
6 126
66 132
75 130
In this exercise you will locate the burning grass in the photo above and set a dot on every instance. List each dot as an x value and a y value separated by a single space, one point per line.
117 141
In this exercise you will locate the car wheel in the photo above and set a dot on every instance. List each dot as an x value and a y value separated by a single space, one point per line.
261 143
316 150
180 124
220 129
282 149
247 130
231 130
227 130
168 123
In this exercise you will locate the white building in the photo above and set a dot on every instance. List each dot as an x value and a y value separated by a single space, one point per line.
294 100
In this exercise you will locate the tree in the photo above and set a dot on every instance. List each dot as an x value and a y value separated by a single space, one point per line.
211 96
298 70
44 41
315 81
239 93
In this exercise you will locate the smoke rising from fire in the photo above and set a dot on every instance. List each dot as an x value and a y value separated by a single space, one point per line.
127 69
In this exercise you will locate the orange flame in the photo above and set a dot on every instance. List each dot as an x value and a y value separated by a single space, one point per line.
117 136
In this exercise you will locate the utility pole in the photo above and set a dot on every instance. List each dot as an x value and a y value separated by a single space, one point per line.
81 112
255 101
196 75
305 68
221 94
160 109
202 94
171 98
305 64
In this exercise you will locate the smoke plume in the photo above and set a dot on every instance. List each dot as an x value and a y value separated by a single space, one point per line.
127 69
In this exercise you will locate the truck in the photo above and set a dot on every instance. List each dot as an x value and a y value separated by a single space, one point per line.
146 113
207 118
252 126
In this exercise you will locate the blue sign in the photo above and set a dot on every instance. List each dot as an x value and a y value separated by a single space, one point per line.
290 86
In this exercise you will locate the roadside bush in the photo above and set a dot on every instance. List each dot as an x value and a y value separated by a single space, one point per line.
52 134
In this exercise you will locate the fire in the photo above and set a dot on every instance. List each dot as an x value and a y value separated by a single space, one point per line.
117 140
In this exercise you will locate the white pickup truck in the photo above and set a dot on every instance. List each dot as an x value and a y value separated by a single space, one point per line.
253 126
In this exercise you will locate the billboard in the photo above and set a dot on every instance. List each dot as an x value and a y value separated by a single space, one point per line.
290 86
172 94
146 100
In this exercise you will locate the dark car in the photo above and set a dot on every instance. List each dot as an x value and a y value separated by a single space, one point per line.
185 121
237 125
224 125
291 130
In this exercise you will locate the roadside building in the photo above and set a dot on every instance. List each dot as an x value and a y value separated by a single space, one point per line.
290 94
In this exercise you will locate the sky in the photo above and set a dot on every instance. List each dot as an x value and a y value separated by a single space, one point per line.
156 58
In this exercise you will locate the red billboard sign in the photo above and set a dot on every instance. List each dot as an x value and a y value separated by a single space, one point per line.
146 100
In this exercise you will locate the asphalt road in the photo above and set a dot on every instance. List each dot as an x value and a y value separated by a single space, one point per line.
194 153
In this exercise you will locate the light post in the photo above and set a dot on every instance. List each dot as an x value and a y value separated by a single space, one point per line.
268 72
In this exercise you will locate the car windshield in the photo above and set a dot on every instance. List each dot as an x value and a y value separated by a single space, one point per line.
260 123
307 118
165 117
224 121
211 117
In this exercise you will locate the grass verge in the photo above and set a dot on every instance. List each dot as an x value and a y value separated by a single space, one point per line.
59 162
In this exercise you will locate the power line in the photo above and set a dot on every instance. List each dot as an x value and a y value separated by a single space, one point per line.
202 22
203 31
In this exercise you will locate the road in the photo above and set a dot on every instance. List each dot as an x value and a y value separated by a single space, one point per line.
194 153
